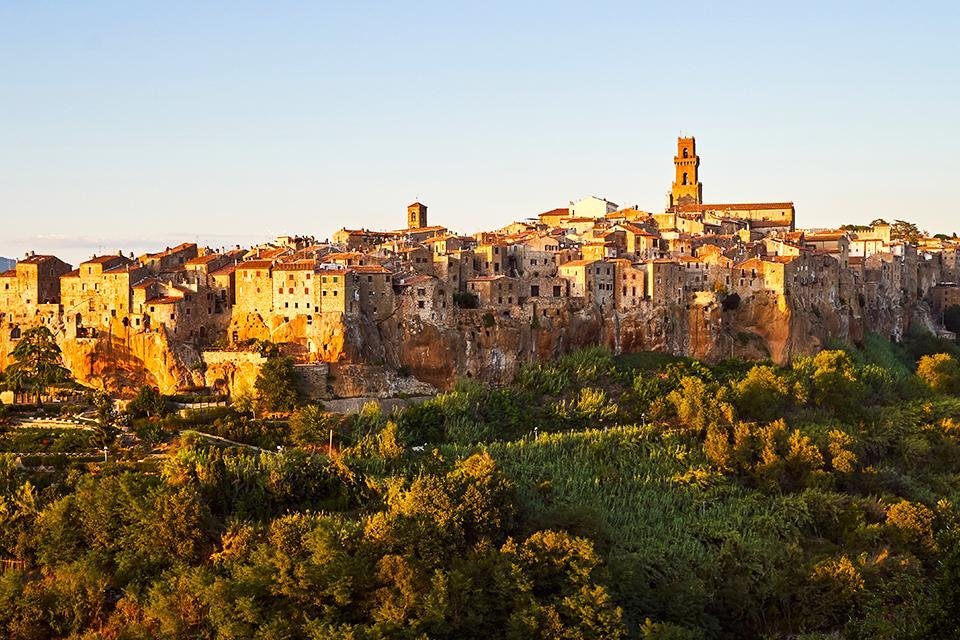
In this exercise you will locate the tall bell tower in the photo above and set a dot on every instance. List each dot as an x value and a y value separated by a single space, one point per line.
686 184
416 216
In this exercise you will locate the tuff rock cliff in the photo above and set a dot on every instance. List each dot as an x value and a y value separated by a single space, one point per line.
482 345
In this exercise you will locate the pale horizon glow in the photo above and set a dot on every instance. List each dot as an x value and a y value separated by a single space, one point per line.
135 126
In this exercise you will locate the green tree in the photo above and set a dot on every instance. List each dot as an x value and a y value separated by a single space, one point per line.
310 426
699 405
940 372
147 403
39 362
951 318
903 230
829 380
762 394
106 418
276 385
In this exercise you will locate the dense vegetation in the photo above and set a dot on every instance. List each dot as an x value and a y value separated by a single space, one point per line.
596 498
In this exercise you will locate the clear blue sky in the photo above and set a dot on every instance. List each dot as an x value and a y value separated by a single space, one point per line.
137 124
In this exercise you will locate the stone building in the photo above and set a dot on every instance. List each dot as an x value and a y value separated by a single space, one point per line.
253 281
169 260
630 290
591 280
495 291
377 297
424 296
33 283
293 284
591 207
665 280
337 291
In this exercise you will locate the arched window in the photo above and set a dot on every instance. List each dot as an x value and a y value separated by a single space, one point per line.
686 152
684 178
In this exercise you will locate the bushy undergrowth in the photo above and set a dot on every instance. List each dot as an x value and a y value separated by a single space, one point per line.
594 498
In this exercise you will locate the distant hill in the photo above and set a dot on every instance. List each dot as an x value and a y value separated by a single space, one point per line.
7 263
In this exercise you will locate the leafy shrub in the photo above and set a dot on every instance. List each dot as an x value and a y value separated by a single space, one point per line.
276 385
147 403
940 372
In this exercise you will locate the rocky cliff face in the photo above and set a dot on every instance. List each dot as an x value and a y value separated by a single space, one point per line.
763 326
365 356
120 365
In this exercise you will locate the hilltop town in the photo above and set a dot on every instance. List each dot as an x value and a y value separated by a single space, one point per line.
369 310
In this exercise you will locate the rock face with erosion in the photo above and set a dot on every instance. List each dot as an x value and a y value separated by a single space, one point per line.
349 356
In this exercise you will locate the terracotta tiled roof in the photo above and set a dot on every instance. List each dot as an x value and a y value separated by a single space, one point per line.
255 264
123 268
768 223
143 284
331 269
164 300
745 206
555 212
370 268
177 249
224 271
107 259
401 232
207 259
824 237
12 273
299 265
37 259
